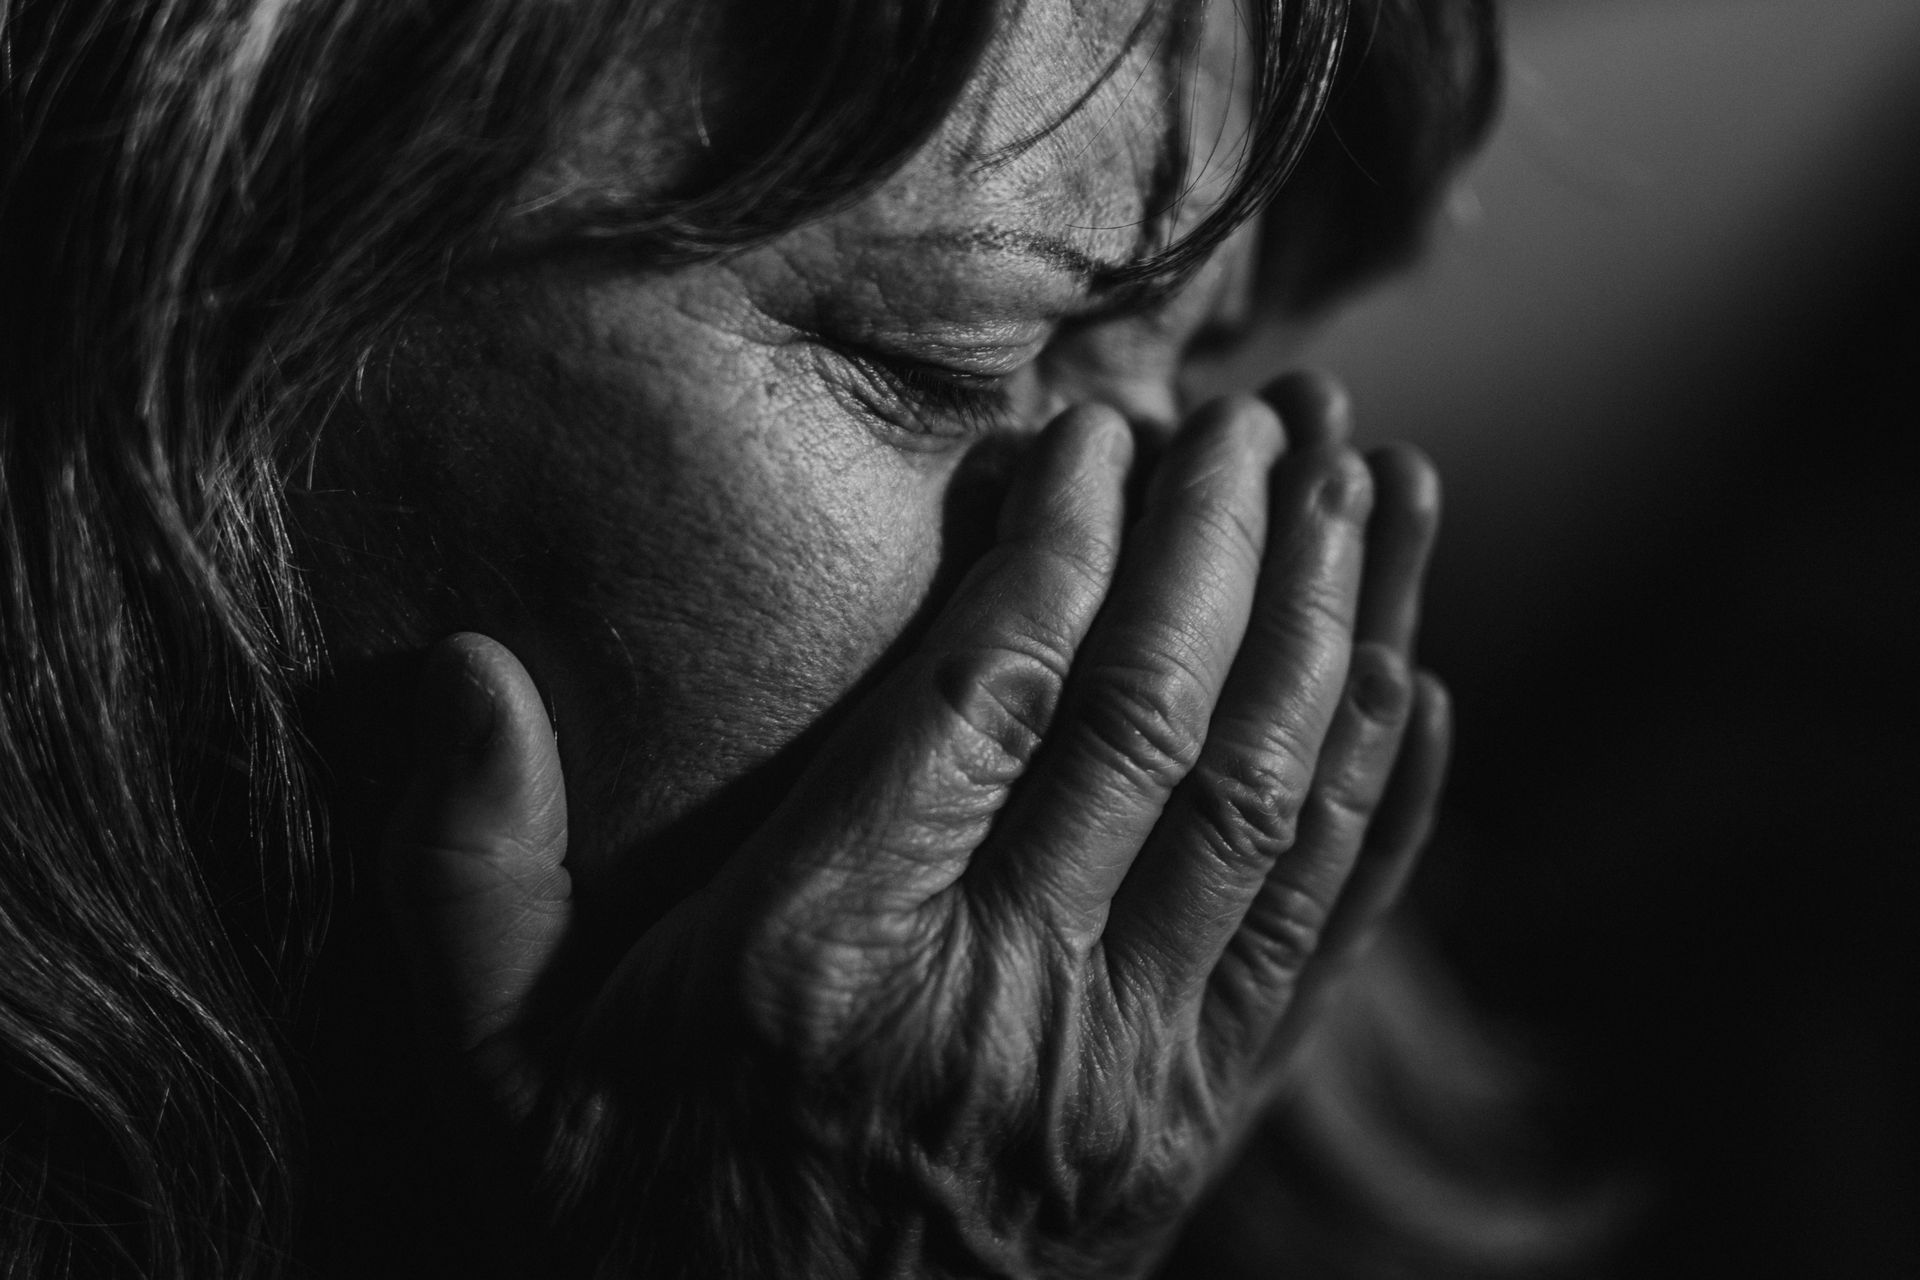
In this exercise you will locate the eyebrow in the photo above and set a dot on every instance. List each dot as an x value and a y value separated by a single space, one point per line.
1097 276
1052 250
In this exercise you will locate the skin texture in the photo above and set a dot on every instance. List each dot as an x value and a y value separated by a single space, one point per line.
957 833
683 497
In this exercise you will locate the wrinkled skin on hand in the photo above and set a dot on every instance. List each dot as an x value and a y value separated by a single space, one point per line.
1019 960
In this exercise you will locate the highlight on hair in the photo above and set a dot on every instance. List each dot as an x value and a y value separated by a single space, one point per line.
208 209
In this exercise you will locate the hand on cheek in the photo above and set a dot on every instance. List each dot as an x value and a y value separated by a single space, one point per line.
1011 969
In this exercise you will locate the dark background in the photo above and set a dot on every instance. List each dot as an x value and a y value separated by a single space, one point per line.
1666 352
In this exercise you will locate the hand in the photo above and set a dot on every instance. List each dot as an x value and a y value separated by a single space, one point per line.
1001 984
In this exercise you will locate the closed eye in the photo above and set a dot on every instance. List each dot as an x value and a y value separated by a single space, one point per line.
928 399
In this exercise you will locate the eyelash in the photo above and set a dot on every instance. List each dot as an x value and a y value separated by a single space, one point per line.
930 399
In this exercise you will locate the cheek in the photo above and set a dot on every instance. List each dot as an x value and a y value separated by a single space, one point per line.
747 579
696 564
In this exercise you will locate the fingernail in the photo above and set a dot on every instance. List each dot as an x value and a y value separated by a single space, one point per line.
457 712
1378 682
1114 437
1348 489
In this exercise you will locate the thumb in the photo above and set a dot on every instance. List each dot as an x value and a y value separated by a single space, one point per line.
473 858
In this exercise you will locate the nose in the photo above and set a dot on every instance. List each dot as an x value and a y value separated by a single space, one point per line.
1150 404
1133 362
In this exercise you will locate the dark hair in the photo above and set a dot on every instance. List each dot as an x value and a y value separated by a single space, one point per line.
208 210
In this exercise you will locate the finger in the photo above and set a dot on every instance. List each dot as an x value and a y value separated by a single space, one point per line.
1058 537
901 796
1406 517
1401 824
1315 408
1144 686
473 857
1402 821
1238 811
1284 927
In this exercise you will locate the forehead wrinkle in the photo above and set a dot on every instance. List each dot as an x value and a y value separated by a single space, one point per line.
1142 131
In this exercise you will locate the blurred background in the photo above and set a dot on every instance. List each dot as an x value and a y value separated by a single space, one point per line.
1666 352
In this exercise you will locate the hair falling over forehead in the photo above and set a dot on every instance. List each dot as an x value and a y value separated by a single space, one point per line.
209 210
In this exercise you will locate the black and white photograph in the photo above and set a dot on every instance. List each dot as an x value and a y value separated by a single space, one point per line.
959 639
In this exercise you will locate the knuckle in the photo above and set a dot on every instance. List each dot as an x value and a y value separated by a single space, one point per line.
1003 699
1379 687
1148 718
1282 931
1251 804
1343 486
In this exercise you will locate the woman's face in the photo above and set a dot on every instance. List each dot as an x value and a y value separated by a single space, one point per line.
702 504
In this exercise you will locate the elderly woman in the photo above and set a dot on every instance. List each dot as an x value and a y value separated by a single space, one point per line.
890 787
